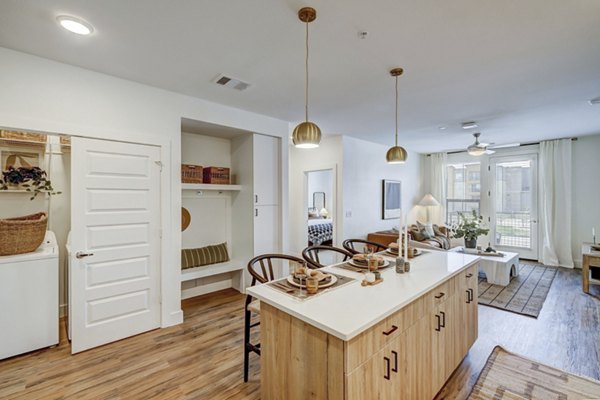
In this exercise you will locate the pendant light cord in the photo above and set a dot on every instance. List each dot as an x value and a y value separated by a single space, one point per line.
396 111
306 71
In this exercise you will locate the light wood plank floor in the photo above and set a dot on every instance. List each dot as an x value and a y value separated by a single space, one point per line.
202 358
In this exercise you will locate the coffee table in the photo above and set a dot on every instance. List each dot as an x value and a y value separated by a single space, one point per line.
497 270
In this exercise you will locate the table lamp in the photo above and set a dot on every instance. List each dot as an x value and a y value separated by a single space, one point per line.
428 201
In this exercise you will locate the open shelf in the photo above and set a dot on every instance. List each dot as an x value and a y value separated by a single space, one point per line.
209 186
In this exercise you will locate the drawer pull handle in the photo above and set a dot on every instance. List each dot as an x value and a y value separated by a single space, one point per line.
387 368
443 325
391 330
395 368
469 275
468 296
472 295
438 327
439 296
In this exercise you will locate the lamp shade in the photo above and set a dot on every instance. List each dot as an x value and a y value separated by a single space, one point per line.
429 200
306 135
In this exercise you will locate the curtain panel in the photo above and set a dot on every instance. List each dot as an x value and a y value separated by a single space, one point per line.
555 210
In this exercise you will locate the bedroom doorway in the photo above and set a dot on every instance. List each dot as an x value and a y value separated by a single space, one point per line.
320 206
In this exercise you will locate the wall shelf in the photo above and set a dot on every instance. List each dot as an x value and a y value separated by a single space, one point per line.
208 186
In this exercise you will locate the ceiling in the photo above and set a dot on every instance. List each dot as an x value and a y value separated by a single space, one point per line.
524 70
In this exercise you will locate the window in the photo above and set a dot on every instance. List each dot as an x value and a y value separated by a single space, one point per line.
462 197
474 176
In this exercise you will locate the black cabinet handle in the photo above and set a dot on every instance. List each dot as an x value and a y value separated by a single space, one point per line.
255 198
469 275
443 325
439 296
438 328
395 368
387 368
472 295
468 296
256 212
391 330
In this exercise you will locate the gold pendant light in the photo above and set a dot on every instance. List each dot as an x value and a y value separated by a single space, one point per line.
396 154
307 135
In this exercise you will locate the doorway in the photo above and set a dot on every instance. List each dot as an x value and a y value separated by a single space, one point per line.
320 208
513 205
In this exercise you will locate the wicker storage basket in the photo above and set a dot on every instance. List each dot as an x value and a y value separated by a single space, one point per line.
22 234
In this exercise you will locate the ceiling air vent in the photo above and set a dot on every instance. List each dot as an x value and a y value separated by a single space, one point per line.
231 82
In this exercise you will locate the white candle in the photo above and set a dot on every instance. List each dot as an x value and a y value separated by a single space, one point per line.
593 231
370 277
406 239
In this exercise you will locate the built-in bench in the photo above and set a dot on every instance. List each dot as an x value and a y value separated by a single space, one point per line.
206 271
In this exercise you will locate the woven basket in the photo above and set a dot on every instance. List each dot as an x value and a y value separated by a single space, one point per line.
22 234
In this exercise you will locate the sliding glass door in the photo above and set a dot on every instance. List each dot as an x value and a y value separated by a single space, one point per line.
513 204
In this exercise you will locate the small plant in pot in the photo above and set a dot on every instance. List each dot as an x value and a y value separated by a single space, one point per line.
469 227
33 179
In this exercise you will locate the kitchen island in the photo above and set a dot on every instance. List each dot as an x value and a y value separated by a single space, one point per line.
400 339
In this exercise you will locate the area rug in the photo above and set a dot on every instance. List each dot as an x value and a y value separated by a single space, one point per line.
510 376
525 294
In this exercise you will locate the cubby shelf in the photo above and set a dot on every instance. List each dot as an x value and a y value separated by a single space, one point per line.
208 186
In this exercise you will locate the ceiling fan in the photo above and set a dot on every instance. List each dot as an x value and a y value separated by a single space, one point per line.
479 149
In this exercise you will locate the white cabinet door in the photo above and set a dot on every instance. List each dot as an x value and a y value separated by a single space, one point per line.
266 229
115 241
267 169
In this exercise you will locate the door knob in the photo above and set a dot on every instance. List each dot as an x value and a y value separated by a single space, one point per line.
82 254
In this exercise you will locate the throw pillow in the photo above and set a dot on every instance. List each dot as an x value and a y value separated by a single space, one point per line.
426 229
213 254
437 231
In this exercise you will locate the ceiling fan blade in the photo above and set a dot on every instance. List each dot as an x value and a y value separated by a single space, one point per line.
488 152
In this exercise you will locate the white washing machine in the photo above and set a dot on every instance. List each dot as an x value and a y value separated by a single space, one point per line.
29 299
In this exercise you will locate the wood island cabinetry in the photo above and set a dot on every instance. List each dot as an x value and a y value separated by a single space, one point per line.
408 355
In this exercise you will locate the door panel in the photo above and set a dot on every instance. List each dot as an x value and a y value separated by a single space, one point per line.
514 204
116 220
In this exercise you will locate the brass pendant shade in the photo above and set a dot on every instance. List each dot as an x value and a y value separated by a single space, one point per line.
396 154
307 135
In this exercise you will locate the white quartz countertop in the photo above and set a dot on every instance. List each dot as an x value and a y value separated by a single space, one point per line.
347 311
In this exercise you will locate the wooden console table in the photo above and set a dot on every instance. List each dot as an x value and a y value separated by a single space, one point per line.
590 258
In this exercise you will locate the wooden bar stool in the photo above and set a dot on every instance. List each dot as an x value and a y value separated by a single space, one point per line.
356 246
261 270
311 255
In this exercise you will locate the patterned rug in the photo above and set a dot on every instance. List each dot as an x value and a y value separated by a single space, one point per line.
509 376
525 294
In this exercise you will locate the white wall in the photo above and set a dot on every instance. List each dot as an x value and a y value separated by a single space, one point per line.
46 96
327 155
586 193
364 169
320 181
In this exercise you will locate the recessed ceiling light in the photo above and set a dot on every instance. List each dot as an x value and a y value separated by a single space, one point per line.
442 127
75 25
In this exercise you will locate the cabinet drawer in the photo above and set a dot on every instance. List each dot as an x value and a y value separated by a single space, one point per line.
362 347
467 278
440 294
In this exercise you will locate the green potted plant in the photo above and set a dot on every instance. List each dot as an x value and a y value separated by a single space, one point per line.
33 179
469 227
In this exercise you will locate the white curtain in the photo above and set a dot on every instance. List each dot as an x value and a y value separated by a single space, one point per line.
437 186
555 193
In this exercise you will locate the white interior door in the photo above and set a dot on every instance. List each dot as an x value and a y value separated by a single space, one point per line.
115 241
514 211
